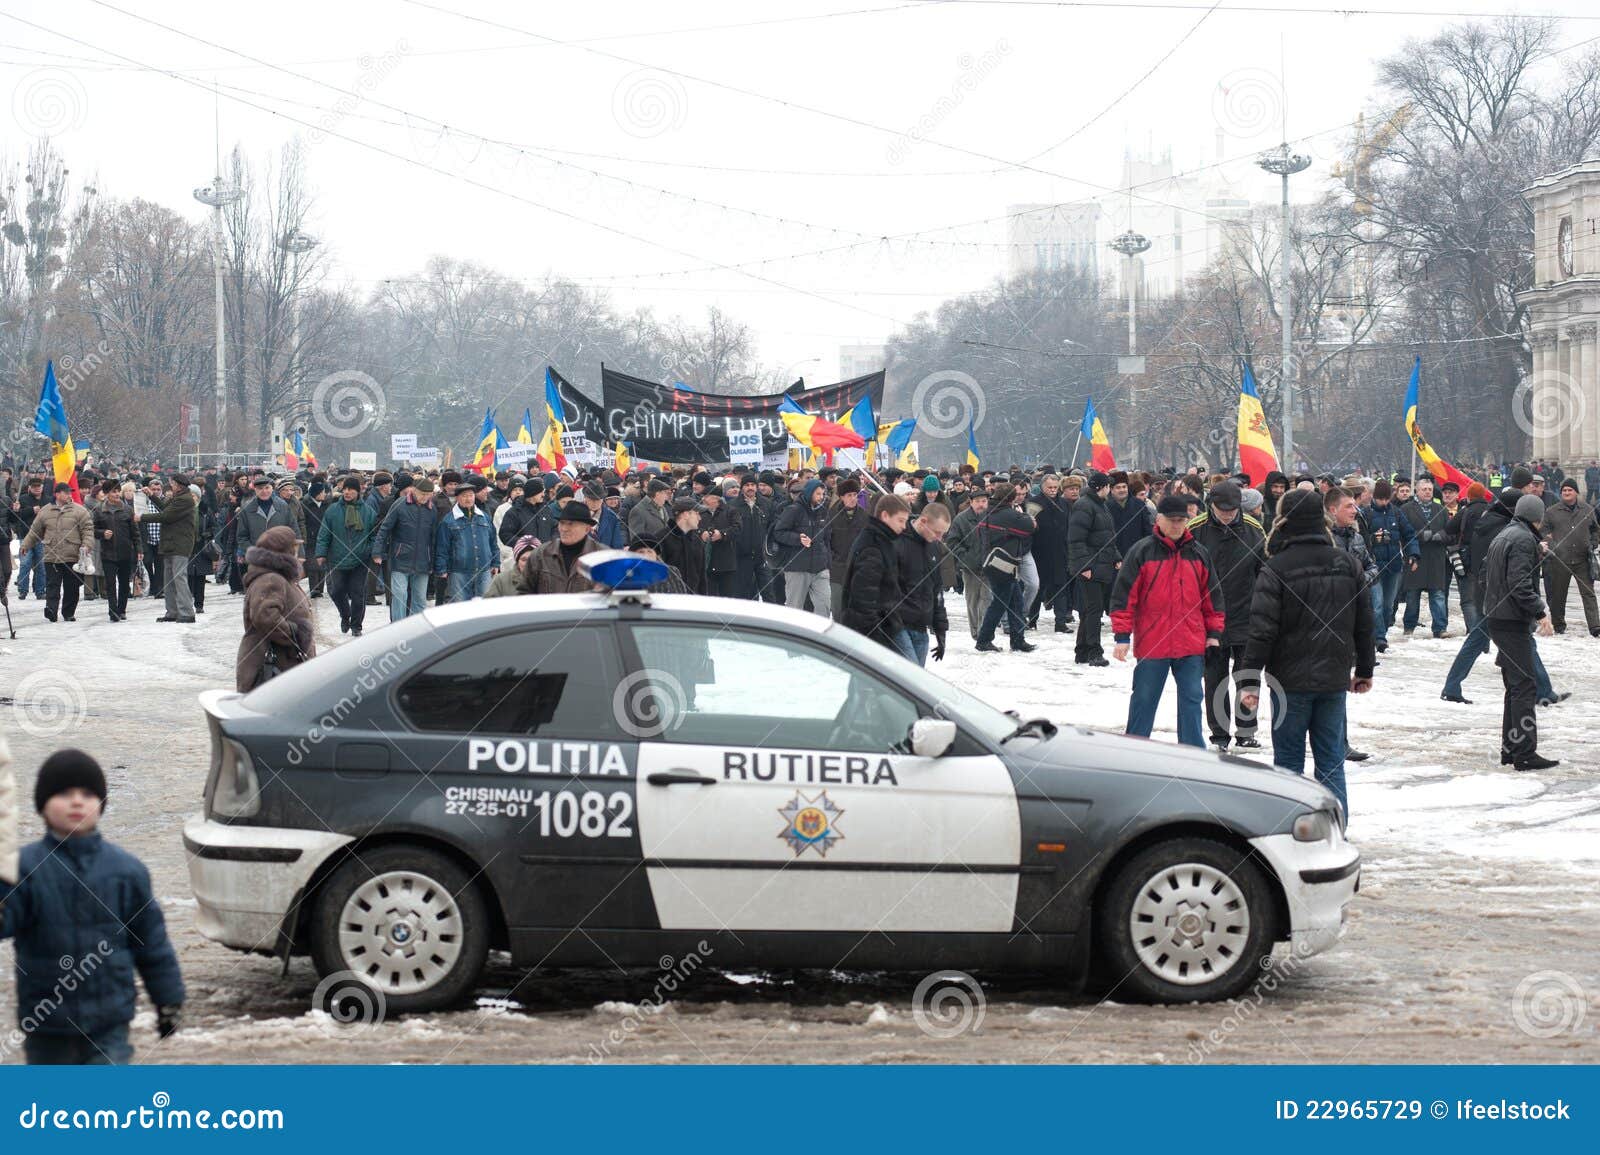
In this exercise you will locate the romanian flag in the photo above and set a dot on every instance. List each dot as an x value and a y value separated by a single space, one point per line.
483 457
817 433
1100 456
624 460
298 453
1441 469
972 448
525 430
550 457
1257 457
50 419
896 439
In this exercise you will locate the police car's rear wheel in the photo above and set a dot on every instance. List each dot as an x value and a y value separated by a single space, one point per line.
405 921
1187 920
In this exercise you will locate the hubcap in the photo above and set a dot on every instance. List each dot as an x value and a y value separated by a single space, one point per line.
401 931
1189 924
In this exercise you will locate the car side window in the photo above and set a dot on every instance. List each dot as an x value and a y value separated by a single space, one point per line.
549 683
707 686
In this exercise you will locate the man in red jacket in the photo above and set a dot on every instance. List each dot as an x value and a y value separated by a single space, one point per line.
1168 601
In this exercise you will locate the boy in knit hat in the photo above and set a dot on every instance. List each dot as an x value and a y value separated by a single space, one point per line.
84 919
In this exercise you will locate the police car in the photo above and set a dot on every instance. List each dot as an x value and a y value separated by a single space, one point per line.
603 779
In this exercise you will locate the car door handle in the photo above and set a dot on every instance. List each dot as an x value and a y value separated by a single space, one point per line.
675 777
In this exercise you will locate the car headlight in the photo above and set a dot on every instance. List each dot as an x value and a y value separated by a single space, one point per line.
1314 827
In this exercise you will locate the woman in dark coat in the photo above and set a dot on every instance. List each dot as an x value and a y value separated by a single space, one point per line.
277 613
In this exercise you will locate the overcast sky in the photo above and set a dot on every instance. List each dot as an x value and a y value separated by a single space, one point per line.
838 122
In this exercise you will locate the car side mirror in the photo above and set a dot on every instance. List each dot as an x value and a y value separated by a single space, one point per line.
931 737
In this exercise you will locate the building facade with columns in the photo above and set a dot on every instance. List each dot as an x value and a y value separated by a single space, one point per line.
1563 406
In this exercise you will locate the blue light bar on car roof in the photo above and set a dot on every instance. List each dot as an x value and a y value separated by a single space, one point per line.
617 569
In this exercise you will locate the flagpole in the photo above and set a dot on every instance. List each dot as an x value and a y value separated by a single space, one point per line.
1076 445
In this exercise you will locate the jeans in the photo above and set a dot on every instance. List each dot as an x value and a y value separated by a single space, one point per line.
175 579
798 585
31 561
1149 678
466 586
912 645
1321 716
408 594
1385 596
347 590
108 1048
1006 602
1475 646
1029 573
1438 609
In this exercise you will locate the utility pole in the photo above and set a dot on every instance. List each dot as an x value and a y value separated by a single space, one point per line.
1285 163
295 243
1130 244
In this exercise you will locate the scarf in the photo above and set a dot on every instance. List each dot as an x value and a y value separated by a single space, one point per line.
352 516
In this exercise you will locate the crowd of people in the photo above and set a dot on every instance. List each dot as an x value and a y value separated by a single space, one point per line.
1208 580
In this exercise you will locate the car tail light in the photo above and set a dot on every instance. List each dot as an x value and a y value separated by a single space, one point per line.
232 790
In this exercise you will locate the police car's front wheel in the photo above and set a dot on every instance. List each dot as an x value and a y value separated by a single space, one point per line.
406 922
1187 920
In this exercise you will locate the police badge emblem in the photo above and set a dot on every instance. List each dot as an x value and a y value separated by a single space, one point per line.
810 822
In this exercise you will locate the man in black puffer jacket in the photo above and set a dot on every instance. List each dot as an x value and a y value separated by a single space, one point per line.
1512 610
1310 622
1235 544
872 598
1093 558
919 552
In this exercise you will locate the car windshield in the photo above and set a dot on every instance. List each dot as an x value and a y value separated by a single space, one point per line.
949 700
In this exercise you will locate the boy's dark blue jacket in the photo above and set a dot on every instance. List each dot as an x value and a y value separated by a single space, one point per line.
74 894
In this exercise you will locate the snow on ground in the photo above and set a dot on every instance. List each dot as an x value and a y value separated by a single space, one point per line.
1475 881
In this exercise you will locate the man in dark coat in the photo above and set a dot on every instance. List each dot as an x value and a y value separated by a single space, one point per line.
919 553
119 548
179 519
1513 610
751 519
1393 546
1235 544
716 523
1052 514
847 521
683 546
1310 624
801 532
1093 558
1429 570
1572 533
872 591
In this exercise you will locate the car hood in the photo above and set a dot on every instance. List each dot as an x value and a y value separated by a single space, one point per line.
1079 748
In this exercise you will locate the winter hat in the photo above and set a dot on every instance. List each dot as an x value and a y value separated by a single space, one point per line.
1098 480
903 489
576 511
1476 492
423 485
684 505
1568 483
1250 500
1224 495
1275 477
317 489
848 485
1301 511
1530 507
524 543
593 491
808 489
1172 506
532 487
278 539
930 484
62 771
1521 478
402 481
1382 490
382 477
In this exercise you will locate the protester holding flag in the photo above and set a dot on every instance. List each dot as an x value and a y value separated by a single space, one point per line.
1100 456
1257 456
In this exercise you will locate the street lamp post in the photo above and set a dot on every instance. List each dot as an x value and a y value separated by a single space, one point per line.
1130 244
1285 163
217 194
295 243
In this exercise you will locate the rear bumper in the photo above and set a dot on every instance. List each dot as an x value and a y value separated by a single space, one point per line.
246 879
1319 879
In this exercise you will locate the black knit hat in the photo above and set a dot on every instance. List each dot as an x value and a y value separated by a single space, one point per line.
1521 477
62 771
1301 510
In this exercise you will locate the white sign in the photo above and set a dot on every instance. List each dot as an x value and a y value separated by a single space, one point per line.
778 460
401 445
514 456
428 458
577 448
744 446
364 460
850 458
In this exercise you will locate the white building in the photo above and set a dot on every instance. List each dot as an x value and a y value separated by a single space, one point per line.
1053 237
859 360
